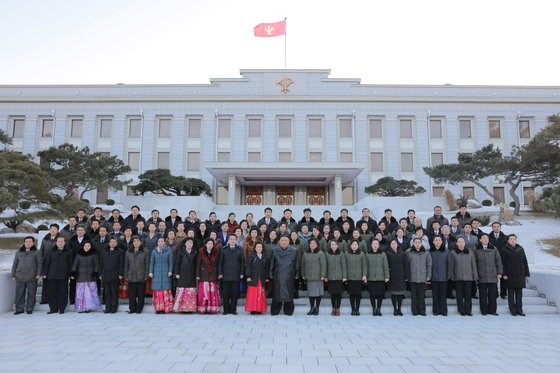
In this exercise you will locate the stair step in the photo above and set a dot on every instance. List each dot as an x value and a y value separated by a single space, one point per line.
365 309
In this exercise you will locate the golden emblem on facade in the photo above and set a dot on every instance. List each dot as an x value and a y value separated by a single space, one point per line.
285 83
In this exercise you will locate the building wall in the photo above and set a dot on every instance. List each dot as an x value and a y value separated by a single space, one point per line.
256 95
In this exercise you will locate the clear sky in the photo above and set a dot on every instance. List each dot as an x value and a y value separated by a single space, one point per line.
187 41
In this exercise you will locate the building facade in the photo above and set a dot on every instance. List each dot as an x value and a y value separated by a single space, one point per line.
280 137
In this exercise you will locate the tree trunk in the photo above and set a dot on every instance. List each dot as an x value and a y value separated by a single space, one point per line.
515 197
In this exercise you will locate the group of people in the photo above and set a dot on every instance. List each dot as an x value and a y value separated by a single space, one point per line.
189 265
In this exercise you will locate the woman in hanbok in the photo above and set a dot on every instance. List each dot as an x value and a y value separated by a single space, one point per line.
256 272
86 271
207 276
185 274
161 270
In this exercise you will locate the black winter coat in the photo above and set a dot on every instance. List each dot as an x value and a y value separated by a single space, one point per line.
231 264
516 267
257 269
185 267
397 269
112 264
58 264
86 266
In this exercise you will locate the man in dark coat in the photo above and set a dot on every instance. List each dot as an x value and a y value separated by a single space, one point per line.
390 222
516 272
56 269
344 218
463 216
499 240
111 272
133 219
98 216
284 268
172 220
26 270
327 220
267 219
489 268
307 219
115 217
231 266
47 244
366 218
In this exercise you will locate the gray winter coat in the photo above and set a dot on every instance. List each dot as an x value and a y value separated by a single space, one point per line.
418 265
136 265
463 265
378 266
313 265
336 265
284 268
27 264
356 265
488 264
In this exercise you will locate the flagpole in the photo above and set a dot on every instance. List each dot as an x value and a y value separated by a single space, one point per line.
285 37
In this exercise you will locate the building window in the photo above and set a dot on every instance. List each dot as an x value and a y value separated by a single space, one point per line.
494 129
47 128
346 157
284 157
254 129
284 128
17 128
102 195
437 191
224 156
407 162
437 159
436 129
315 156
76 126
315 128
526 190
465 129
44 164
134 128
345 127
253 156
224 128
468 192
130 190
105 128
405 126
524 129
194 128
500 194
163 160
134 161
193 161
164 128
375 128
376 162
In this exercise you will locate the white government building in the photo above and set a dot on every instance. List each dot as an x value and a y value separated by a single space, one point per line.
280 137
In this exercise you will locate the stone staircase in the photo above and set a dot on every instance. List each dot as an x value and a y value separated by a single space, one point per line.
533 303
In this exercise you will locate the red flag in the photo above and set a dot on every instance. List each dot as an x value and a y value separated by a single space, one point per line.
270 29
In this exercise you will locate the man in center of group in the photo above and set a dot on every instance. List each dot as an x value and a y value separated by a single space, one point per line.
231 266
284 267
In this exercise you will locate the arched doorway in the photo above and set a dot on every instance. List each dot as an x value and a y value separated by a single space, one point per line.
254 196
315 195
285 196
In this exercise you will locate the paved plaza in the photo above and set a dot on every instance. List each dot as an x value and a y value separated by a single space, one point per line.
244 343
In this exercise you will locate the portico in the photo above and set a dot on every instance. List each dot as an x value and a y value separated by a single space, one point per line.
284 184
